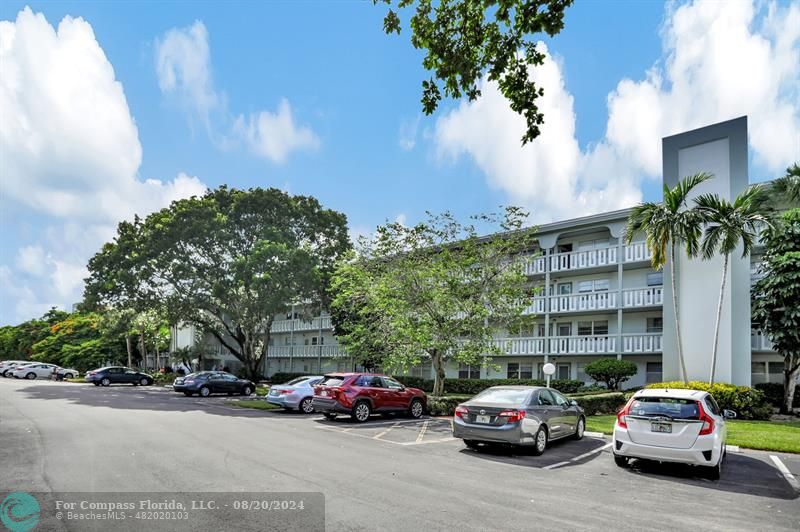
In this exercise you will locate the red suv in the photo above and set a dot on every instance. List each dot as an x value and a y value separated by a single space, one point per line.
362 394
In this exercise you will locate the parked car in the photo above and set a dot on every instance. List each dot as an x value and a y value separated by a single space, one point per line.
528 416
68 373
359 395
33 370
118 375
296 394
685 426
7 366
204 383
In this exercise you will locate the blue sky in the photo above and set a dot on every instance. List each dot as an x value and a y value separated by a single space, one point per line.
619 77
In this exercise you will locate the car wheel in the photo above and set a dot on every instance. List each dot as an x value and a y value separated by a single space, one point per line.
307 406
246 391
621 461
472 444
97 384
715 472
361 411
416 409
144 381
580 428
204 391
187 394
30 376
329 415
105 382
540 441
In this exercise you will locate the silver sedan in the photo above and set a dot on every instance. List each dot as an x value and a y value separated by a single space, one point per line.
296 394
518 415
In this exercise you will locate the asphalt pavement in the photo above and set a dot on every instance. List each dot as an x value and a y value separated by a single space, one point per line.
387 474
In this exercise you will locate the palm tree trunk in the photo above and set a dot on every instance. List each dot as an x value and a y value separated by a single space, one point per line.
719 316
130 349
672 267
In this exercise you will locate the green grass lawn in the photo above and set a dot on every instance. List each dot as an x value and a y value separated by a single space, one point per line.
256 404
781 436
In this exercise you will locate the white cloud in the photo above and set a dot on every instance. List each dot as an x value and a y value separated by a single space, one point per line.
70 156
183 65
720 60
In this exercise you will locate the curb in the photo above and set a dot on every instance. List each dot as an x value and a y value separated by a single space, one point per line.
594 434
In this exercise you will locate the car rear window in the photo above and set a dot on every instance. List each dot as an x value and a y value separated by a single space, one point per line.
665 406
331 380
298 380
503 396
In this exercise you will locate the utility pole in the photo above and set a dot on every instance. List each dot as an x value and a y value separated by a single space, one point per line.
319 342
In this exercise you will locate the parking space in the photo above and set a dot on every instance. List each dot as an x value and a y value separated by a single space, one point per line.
396 431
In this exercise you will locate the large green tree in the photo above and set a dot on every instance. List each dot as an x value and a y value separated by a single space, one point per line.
228 262
436 290
666 225
81 341
776 297
465 40
728 226
17 341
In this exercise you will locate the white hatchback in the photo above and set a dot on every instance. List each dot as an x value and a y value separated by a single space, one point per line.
669 425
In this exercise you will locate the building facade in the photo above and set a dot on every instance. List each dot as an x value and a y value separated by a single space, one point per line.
599 297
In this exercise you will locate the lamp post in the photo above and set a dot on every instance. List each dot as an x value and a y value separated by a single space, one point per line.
548 369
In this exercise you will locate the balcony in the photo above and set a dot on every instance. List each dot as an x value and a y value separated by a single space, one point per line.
305 351
643 297
637 252
585 302
578 260
759 342
522 346
285 326
583 345
641 343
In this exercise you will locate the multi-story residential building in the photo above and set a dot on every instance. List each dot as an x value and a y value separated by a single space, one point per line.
600 297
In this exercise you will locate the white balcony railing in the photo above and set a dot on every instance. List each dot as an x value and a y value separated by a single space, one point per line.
637 252
522 346
538 305
284 326
641 343
578 345
576 260
584 302
759 342
534 265
305 351
643 297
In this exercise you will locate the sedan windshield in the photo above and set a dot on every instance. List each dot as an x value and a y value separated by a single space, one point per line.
506 396
665 406
298 380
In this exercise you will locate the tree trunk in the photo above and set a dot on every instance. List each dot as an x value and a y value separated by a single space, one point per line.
719 316
438 366
672 267
789 385
144 348
130 349
158 353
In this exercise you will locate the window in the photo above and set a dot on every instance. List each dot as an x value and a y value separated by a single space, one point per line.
563 372
515 370
655 325
776 368
564 289
541 330
653 372
526 370
585 286
546 398
466 371
601 327
582 376
392 384
565 329
655 279
587 328
560 399
758 372
712 405
512 371
584 328
507 396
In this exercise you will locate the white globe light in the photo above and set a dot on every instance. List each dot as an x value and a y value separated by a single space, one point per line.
549 368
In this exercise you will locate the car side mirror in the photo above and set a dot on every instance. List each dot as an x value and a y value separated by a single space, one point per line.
729 414
573 403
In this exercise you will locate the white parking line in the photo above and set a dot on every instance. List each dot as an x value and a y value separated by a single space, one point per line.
785 472
577 458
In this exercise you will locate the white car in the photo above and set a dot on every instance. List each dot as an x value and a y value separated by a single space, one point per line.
34 370
7 366
685 426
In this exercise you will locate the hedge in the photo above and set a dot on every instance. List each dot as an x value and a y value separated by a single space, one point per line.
748 403
604 403
446 405
774 393
475 386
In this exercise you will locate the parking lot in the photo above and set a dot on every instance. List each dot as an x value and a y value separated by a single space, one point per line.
409 473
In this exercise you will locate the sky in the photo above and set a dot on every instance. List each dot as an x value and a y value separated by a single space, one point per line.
112 109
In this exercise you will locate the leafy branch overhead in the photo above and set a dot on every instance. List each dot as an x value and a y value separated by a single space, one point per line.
465 40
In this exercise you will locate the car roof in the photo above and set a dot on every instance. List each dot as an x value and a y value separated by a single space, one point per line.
671 392
352 373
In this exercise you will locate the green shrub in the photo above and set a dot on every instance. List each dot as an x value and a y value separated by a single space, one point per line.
748 403
415 382
604 403
446 405
611 371
282 377
773 391
163 378
475 386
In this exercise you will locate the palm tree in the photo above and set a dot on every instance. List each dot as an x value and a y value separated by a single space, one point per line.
728 224
666 225
787 188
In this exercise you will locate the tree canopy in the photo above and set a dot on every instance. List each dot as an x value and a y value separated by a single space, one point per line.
227 262
436 290
465 40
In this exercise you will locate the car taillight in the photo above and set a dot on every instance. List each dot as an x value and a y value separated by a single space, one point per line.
708 421
285 391
624 412
512 416
461 411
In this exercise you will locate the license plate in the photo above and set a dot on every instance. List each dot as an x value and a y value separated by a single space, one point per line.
661 427
483 419
323 393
